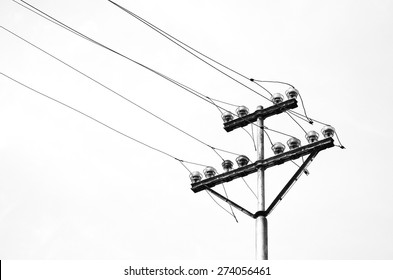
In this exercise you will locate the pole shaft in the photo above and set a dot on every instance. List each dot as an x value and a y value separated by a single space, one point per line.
261 251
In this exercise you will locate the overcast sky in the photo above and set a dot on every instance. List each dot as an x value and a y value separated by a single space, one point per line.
71 188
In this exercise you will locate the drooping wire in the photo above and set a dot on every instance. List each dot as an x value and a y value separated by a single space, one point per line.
223 102
232 214
189 162
271 95
218 107
314 120
277 82
341 145
248 186
288 84
251 136
305 170
220 205
68 28
297 122
230 206
308 119
304 109
96 120
276 131
268 137
185 46
288 113
181 162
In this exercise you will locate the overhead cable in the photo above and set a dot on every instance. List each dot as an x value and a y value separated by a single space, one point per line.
113 91
188 89
185 46
99 122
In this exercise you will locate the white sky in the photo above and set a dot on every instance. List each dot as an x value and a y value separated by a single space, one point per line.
72 189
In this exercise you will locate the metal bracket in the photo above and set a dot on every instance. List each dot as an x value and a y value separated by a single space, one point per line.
259 213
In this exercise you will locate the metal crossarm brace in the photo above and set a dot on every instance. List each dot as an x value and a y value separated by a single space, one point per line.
263 113
279 197
266 163
291 181
230 202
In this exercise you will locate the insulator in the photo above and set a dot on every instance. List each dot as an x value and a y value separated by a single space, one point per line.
293 143
242 160
227 117
209 172
328 131
292 93
278 148
312 136
227 165
277 98
242 111
195 177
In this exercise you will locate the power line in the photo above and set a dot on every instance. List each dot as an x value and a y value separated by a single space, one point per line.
70 29
187 48
97 121
182 44
113 91
188 89
194 92
117 131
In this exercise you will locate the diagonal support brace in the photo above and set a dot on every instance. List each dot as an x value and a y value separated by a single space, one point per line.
290 183
230 202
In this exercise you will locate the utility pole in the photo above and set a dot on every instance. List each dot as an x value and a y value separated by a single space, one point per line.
260 221
261 164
